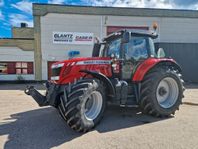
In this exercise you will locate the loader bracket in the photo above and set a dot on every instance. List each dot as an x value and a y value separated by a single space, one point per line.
38 97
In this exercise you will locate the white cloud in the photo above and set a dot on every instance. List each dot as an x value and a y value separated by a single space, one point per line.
184 2
24 6
16 19
56 1
196 6
1 3
161 4
6 23
1 15
132 3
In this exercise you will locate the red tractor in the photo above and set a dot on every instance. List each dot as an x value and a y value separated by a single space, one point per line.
124 70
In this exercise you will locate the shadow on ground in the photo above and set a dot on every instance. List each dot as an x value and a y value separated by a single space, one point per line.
21 86
40 86
44 129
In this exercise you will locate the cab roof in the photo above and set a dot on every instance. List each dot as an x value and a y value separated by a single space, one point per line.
133 32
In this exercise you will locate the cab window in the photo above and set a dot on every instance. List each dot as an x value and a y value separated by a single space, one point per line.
152 48
136 49
113 48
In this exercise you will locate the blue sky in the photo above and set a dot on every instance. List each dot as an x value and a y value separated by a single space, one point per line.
13 12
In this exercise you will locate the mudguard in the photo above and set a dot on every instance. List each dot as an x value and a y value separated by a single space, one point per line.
150 63
103 78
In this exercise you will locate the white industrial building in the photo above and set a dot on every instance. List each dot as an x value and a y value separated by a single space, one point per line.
17 55
20 59
56 25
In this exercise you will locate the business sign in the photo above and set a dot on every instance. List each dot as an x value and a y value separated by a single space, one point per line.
72 38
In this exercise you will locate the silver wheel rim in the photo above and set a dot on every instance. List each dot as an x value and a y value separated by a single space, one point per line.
167 92
93 105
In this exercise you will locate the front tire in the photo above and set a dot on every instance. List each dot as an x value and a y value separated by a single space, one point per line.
85 105
161 92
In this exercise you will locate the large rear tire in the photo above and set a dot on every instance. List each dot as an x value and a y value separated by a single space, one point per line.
85 105
161 92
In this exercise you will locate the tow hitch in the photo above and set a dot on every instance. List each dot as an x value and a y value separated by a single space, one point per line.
40 99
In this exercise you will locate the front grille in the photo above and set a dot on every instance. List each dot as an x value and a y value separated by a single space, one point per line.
56 71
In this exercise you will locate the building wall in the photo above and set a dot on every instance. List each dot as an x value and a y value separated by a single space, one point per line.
65 23
23 32
24 44
178 30
171 31
15 54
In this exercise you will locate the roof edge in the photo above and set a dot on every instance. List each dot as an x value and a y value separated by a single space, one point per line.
40 9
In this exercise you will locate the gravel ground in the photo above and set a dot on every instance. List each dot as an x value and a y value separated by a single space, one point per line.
23 125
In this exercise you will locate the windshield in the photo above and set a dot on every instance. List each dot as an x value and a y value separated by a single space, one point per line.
136 48
112 49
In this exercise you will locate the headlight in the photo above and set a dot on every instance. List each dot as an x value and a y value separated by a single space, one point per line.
57 65
55 78
55 71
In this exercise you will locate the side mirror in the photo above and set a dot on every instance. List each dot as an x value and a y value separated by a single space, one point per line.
160 53
125 38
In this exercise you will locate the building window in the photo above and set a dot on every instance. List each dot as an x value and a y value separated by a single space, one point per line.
16 68
3 68
21 68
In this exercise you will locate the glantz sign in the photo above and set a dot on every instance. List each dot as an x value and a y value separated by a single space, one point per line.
72 38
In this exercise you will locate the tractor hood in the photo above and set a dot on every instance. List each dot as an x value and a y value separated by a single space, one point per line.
68 70
81 60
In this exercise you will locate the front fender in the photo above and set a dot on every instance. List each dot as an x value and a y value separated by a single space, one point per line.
150 63
103 78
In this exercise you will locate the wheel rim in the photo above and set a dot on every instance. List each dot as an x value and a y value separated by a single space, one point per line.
167 92
93 105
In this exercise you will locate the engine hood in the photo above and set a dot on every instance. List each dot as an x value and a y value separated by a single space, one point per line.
84 60
64 72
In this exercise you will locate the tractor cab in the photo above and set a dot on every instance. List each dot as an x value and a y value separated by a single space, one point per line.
127 49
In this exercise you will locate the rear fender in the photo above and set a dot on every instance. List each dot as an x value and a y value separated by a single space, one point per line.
149 64
103 78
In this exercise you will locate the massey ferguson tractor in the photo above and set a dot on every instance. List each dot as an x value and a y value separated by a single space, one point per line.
125 70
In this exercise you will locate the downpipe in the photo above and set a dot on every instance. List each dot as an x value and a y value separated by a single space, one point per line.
38 97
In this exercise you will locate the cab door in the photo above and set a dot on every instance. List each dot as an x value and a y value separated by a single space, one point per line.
133 53
113 50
